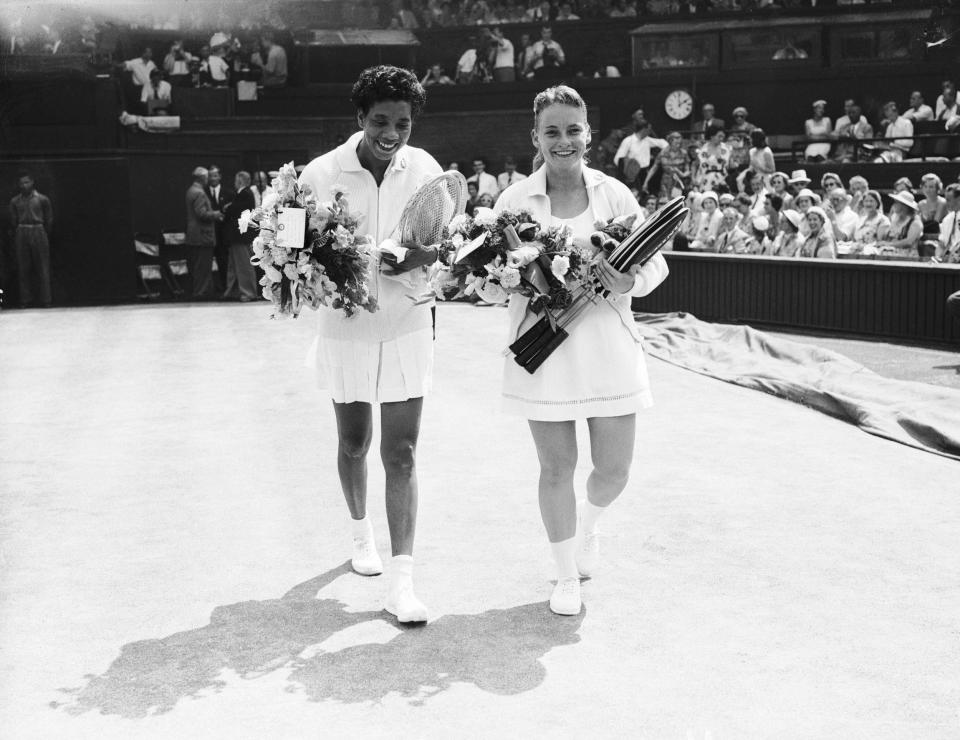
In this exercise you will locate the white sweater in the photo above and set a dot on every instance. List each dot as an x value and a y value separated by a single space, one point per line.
608 198
379 210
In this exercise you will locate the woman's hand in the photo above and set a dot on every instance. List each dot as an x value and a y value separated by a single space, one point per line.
416 256
613 280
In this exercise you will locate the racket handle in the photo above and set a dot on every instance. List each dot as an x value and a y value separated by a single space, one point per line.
533 363
530 336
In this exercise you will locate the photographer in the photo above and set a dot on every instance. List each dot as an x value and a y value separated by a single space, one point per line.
177 64
548 57
501 55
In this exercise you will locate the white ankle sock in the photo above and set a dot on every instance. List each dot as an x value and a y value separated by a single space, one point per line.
401 570
564 553
362 528
589 514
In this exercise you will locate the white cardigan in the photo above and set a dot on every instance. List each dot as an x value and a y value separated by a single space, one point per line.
608 198
378 209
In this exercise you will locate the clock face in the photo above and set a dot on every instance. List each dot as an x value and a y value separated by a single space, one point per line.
679 105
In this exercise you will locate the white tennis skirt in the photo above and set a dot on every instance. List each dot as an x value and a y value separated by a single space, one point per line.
376 372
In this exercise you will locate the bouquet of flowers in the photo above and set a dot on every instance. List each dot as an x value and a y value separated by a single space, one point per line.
494 255
309 251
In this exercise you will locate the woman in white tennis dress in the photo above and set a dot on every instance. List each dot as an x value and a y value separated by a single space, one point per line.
384 357
598 373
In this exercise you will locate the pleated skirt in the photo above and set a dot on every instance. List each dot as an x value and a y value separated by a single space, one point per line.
375 372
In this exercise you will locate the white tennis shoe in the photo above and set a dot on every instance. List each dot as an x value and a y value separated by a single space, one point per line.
565 598
404 605
366 560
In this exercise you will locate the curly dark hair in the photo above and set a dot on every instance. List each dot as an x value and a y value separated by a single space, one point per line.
385 82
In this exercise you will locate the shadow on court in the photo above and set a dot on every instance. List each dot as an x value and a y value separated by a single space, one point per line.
498 651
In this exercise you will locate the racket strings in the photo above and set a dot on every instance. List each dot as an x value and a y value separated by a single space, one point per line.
432 208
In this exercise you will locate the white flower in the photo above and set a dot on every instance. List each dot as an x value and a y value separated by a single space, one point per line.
559 266
270 199
458 222
509 277
272 272
246 218
279 255
484 216
288 171
343 236
490 291
290 270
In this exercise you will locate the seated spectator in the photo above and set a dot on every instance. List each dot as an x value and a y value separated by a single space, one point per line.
539 12
275 66
854 127
565 13
731 238
509 175
869 225
706 223
713 158
743 205
857 186
946 105
902 236
699 127
844 120
755 189
622 9
786 243
633 157
485 200
803 201
829 181
141 67
918 110
818 127
841 217
949 251
547 56
486 183
779 185
176 64
673 164
903 184
157 90
649 205
761 155
933 206
772 210
435 76
899 130
819 242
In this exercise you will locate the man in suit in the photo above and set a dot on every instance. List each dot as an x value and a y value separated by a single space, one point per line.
220 196
240 273
201 233
708 118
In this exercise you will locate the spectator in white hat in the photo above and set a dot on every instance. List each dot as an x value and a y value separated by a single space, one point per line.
903 234
819 128
819 243
216 66
704 226
787 241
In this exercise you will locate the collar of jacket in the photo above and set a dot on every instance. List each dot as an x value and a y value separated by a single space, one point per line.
348 160
538 180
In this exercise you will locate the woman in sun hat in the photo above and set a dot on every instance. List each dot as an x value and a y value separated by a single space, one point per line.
819 244
903 234
704 227
787 241
819 128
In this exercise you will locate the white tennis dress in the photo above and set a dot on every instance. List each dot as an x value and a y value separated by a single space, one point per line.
386 355
599 370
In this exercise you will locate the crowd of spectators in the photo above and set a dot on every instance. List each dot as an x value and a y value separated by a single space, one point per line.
891 140
414 14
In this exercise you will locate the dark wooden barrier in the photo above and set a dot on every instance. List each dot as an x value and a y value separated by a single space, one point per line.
894 300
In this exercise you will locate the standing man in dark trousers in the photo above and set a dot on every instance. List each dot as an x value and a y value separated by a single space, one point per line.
220 196
201 234
31 219
240 273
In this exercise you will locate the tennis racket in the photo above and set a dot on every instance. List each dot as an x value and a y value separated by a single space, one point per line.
431 208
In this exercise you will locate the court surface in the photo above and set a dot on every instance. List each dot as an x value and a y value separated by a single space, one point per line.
174 545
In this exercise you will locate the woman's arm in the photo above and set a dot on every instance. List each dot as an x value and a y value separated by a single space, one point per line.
914 233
